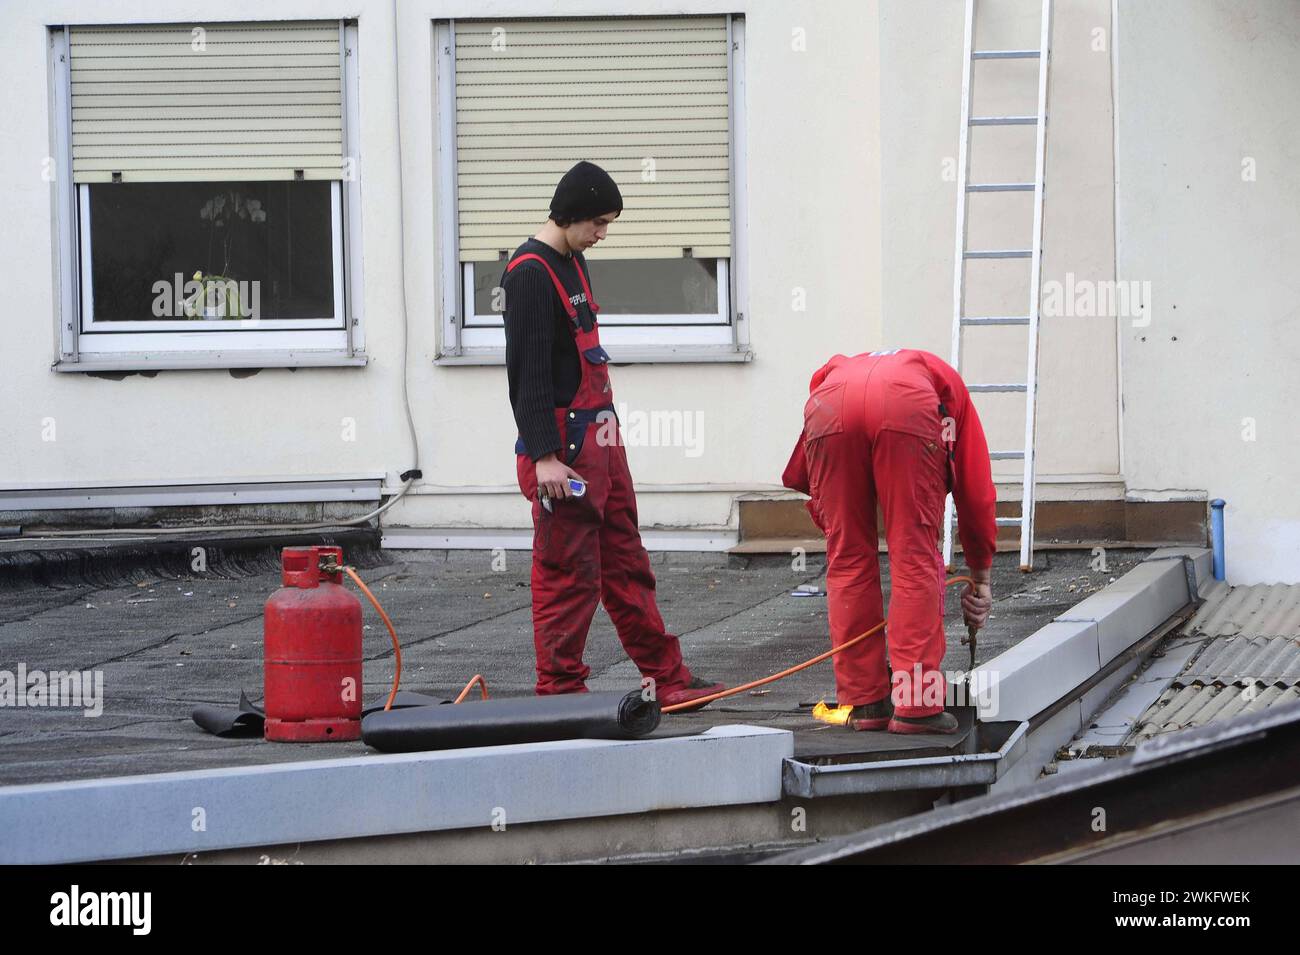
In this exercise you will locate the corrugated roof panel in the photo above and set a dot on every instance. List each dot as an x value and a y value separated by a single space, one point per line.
1266 660
1183 707
1264 610
1250 660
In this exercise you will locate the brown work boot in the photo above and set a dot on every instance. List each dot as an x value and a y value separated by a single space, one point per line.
943 723
694 690
872 716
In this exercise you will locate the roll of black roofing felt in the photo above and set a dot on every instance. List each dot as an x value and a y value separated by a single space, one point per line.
531 719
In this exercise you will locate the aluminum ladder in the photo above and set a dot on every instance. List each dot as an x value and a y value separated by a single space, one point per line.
960 320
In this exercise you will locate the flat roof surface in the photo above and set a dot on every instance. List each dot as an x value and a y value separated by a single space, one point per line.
166 640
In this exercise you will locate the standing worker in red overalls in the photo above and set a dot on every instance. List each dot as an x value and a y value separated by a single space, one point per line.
586 542
896 427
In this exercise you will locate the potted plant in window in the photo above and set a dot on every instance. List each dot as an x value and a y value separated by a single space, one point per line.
218 294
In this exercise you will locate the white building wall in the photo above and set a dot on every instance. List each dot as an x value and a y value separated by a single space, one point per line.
1208 146
813 208
185 425
846 201
921 70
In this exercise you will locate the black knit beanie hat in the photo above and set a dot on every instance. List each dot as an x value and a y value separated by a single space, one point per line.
585 192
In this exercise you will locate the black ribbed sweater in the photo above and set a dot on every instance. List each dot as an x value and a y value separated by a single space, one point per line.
542 362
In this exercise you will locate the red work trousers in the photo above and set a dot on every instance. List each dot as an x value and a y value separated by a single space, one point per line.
588 550
872 433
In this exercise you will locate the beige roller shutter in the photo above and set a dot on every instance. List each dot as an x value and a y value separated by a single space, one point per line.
644 98
225 101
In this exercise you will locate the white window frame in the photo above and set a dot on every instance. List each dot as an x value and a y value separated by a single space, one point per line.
108 329
483 336
85 344
488 331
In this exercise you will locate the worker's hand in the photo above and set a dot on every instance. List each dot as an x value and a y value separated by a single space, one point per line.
553 477
977 599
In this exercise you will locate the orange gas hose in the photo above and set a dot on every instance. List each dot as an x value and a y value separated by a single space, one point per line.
482 685
690 704
397 647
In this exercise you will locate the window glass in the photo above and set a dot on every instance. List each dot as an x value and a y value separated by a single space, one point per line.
269 243
684 286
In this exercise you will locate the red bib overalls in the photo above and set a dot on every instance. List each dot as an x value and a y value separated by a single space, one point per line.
873 432
588 549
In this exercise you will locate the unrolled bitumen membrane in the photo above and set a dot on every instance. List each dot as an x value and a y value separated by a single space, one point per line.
533 719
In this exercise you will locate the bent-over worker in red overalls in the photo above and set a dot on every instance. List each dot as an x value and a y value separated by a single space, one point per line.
895 427
586 548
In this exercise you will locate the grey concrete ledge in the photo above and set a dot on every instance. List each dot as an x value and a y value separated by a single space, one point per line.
1073 648
165 813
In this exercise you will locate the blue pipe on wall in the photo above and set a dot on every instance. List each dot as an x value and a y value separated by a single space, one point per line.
1216 536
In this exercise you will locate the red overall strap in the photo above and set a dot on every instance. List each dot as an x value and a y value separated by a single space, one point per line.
555 280
591 299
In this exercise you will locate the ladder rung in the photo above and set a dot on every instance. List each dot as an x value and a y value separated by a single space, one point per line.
1004 54
985 389
998 254
995 320
1006 455
1000 187
1004 120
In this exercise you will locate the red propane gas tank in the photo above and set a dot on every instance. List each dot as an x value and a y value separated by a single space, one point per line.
312 651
